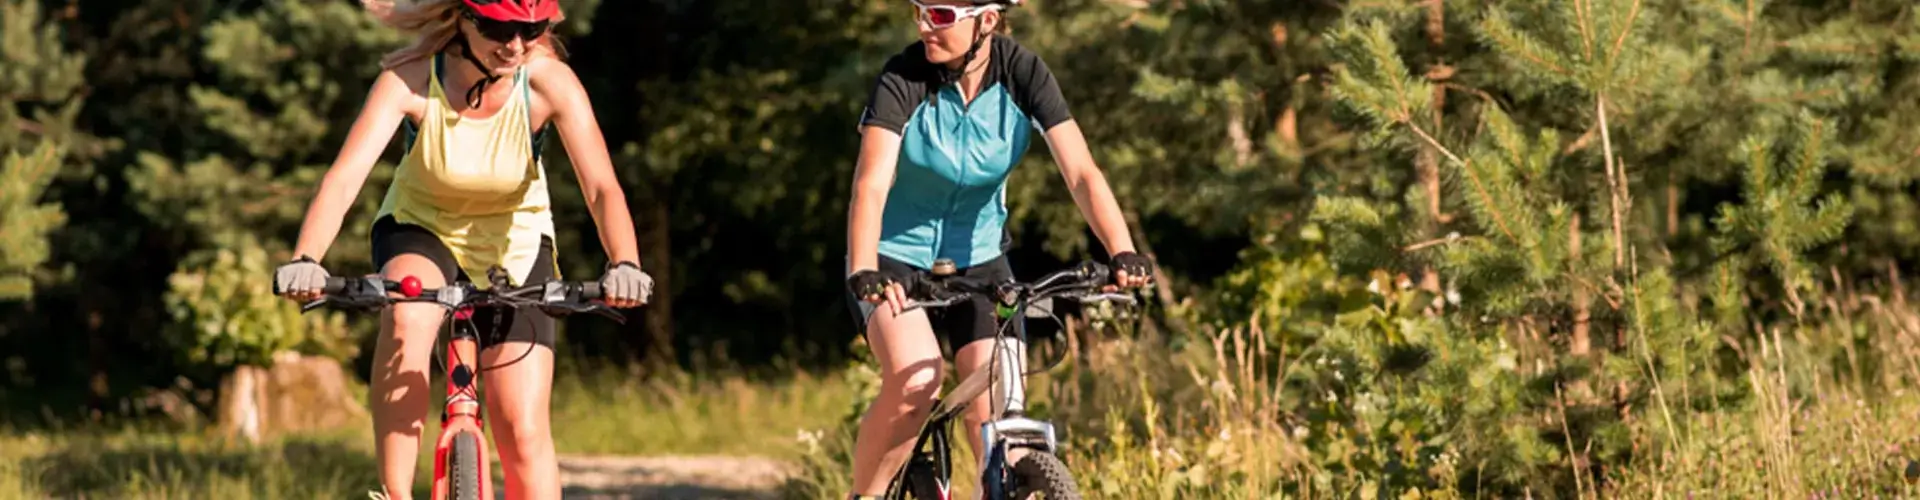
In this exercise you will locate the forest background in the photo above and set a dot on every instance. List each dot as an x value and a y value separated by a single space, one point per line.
1406 247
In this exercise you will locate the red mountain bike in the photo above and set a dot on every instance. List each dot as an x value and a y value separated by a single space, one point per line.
460 455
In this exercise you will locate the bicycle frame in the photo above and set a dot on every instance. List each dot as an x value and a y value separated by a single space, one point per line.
462 413
462 407
1007 427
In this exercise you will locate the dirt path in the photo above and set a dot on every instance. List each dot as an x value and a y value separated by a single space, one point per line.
671 477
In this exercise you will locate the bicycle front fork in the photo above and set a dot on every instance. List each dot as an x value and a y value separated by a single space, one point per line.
1009 402
462 414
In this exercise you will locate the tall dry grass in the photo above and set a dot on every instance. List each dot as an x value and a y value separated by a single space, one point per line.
1830 408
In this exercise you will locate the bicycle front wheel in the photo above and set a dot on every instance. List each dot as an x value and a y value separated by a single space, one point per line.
1042 475
463 467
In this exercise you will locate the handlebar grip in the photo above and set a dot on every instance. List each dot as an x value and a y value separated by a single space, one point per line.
1096 271
589 290
335 284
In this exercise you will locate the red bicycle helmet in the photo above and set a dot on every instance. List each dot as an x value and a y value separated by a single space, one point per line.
515 10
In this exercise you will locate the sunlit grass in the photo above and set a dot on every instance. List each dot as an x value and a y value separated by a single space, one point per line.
135 463
1144 421
592 414
608 413
1138 420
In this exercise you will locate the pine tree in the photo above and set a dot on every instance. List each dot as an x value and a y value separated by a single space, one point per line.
1551 253
24 175
1853 62
38 76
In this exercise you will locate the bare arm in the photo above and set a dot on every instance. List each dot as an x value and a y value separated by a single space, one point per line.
872 177
1089 187
384 109
580 133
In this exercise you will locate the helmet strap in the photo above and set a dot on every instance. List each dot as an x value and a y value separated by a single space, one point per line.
477 93
966 61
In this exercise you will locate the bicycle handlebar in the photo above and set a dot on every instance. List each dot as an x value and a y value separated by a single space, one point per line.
1089 276
556 298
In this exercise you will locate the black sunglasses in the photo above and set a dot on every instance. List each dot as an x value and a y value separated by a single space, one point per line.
505 31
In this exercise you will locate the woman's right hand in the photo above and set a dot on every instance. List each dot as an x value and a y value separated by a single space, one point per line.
300 280
874 287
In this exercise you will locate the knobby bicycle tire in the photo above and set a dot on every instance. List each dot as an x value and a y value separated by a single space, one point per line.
464 467
1045 474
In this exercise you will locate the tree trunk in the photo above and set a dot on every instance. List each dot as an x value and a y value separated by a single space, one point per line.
296 394
1162 286
99 360
1673 204
1427 164
1580 345
1580 340
240 403
656 252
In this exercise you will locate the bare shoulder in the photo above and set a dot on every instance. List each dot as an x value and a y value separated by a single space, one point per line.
557 91
553 80
406 86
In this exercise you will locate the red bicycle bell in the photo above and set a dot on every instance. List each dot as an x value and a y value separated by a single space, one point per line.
410 287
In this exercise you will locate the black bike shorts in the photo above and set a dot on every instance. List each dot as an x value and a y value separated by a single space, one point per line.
491 325
960 323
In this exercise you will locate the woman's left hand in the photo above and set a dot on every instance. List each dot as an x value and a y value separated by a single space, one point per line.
625 285
1130 270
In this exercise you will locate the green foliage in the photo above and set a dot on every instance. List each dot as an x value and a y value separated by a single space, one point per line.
1780 221
23 232
276 96
40 94
40 79
223 318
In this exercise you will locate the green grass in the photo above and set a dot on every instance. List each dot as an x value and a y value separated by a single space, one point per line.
1140 421
138 464
1145 422
592 414
607 413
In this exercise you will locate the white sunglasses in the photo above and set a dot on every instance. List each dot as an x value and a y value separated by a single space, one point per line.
941 16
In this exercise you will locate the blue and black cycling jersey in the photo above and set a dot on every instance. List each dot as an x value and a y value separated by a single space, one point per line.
948 198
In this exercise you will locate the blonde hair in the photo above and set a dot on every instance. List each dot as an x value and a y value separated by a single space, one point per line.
435 23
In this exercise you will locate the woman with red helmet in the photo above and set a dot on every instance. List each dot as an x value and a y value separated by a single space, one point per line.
470 198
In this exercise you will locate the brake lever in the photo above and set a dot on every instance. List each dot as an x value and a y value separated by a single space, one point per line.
931 303
610 314
569 308
1123 298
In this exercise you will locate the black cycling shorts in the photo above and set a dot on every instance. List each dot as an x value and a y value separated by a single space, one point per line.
492 325
960 323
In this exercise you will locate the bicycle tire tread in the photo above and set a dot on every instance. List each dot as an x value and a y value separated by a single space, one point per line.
1043 473
464 467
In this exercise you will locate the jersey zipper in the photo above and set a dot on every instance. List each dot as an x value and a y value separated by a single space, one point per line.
960 163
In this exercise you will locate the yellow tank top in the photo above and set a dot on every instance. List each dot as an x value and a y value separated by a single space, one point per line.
477 183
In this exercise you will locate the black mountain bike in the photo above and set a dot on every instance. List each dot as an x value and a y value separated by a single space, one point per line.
460 455
926 475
